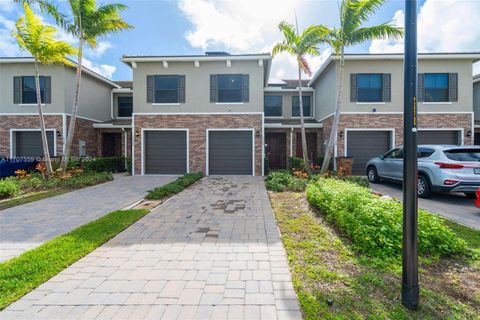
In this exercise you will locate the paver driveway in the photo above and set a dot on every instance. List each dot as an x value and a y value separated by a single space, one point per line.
211 252
27 226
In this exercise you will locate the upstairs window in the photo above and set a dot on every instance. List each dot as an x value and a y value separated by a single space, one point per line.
307 110
436 87
370 87
125 106
225 88
24 90
272 106
166 89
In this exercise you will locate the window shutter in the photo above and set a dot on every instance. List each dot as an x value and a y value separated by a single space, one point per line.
421 87
48 90
245 88
181 89
17 90
150 83
213 88
353 87
453 87
387 87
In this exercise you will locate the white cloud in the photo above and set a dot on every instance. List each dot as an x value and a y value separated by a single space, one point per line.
103 69
443 26
8 44
99 50
7 5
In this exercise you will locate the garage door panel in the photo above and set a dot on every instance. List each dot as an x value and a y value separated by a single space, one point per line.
364 145
230 152
165 152
29 143
439 137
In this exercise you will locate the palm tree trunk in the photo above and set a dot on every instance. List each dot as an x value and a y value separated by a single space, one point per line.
46 153
302 121
332 141
73 115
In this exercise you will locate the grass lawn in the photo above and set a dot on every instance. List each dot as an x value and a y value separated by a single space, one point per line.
22 274
325 268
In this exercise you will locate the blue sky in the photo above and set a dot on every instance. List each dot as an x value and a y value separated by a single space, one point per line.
195 26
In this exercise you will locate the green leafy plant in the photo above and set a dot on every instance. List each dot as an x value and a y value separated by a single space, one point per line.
374 224
173 187
296 164
9 187
280 181
101 164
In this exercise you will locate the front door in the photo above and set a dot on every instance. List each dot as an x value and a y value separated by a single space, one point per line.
276 150
111 144
311 146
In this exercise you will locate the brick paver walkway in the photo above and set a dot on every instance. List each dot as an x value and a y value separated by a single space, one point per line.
27 226
211 252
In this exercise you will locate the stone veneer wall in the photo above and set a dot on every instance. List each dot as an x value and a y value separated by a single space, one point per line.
395 121
8 122
197 125
84 130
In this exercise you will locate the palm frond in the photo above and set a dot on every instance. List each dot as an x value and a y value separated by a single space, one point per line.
304 65
382 31
288 31
283 47
365 8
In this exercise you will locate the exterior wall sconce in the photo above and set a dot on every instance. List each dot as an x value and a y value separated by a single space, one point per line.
469 133
340 134
137 133
257 133
59 134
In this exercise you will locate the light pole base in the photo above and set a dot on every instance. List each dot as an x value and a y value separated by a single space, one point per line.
410 297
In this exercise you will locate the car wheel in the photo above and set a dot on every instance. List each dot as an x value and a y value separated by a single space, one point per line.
471 195
424 189
372 174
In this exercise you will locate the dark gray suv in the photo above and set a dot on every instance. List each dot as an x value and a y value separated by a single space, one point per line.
442 168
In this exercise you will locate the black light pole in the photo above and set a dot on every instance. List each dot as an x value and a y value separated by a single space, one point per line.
410 289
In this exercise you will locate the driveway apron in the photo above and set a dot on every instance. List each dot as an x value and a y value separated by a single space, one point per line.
27 226
211 252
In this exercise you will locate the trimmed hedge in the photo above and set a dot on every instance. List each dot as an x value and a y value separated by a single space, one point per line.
9 187
173 187
374 224
102 164
280 181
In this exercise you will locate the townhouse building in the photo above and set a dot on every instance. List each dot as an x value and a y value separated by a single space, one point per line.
219 114
371 120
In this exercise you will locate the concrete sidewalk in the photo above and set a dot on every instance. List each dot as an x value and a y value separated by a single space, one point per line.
211 252
27 226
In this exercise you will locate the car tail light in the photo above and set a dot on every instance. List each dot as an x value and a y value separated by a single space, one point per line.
443 165
450 182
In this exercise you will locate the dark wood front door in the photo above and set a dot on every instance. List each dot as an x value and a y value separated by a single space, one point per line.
111 144
276 150
311 146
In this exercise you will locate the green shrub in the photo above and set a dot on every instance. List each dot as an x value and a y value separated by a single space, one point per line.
280 181
88 179
374 224
9 187
173 187
102 164
361 181
32 183
296 163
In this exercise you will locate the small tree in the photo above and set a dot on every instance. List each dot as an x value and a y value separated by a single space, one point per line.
353 13
300 45
39 40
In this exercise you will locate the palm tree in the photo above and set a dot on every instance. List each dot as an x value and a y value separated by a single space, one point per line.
353 13
86 22
300 45
39 40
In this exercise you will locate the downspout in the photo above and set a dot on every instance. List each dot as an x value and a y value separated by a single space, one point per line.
125 142
291 142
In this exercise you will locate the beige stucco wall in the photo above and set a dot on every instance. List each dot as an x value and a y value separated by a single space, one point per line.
197 86
395 68
287 101
326 88
95 96
476 100
10 70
